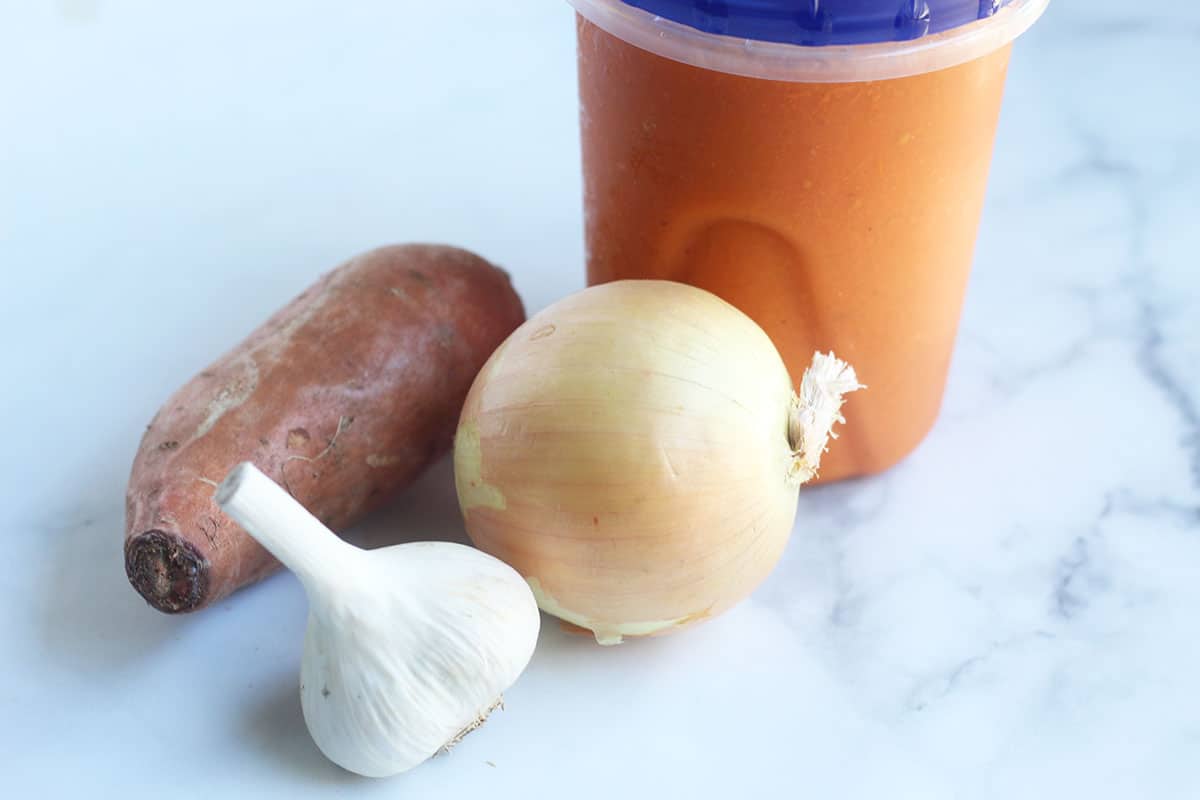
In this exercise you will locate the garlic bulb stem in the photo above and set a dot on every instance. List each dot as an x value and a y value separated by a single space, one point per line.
283 526
814 412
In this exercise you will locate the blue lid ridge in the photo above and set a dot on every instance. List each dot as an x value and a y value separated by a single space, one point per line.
822 22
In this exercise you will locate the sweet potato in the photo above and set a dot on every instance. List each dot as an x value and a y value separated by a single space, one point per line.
343 397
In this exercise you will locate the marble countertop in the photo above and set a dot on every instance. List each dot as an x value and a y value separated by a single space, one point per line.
1012 612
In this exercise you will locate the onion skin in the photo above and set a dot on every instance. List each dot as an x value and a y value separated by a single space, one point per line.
627 450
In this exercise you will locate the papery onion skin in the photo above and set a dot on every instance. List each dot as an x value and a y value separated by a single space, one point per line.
627 451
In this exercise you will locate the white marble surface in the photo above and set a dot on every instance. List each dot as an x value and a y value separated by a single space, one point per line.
1010 613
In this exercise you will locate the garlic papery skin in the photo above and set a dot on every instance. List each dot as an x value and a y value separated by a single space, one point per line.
408 647
635 451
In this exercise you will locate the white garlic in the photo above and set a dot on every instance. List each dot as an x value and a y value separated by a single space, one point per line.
408 647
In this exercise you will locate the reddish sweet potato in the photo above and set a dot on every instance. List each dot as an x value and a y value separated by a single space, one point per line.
343 396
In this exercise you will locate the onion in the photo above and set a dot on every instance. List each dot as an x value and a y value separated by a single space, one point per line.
635 452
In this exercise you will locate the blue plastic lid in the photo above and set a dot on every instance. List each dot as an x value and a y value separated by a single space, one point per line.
822 22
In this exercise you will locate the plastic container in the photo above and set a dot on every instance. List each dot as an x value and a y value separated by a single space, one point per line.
830 190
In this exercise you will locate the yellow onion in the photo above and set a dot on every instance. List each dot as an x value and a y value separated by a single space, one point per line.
635 452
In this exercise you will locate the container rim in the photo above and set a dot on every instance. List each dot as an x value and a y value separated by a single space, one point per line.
811 64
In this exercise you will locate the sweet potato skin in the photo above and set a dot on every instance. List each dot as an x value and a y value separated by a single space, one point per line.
343 396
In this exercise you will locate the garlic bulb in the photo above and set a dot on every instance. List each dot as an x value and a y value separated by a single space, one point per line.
635 451
408 647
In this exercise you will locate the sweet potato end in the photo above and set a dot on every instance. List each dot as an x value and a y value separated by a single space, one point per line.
167 571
